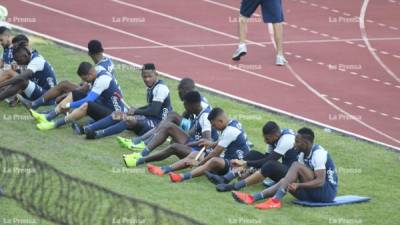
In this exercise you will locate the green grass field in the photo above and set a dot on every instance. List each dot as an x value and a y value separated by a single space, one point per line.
364 169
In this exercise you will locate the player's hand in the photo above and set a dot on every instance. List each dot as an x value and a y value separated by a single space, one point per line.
14 66
206 143
192 163
65 106
238 163
293 186
118 115
85 86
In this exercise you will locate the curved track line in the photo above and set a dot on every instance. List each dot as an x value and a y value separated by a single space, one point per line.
319 95
364 36
310 88
155 42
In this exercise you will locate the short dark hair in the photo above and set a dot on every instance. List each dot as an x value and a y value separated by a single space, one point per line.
95 47
19 39
215 113
192 97
21 48
307 134
84 68
149 66
4 29
187 83
270 127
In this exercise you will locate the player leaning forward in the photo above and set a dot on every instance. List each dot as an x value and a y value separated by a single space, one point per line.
313 178
232 144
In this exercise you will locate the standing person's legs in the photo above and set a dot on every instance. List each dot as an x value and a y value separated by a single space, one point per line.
273 13
247 8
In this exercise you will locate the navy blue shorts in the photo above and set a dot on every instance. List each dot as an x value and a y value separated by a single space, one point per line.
272 11
144 124
226 168
326 193
33 91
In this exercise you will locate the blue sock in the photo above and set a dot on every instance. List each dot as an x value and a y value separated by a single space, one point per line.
52 114
140 161
147 140
239 185
136 140
258 196
187 176
166 169
145 152
280 193
38 102
114 129
60 122
102 124
229 176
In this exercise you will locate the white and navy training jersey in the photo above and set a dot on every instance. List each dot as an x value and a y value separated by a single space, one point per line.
160 93
201 124
320 159
284 146
107 64
8 57
43 73
107 89
233 139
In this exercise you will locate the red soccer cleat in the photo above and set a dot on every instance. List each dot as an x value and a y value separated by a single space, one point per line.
243 197
269 204
175 178
155 170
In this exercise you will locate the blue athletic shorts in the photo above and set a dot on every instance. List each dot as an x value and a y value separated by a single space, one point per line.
33 92
144 124
272 11
326 193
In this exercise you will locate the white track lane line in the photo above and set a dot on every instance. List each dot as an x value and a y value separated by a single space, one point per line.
156 42
217 91
364 35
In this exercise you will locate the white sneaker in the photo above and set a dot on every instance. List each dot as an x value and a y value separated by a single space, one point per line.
240 51
280 60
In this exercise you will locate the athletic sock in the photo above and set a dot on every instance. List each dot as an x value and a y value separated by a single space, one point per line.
239 185
145 152
258 196
187 176
114 129
279 194
38 102
140 161
147 140
166 169
229 176
136 140
102 124
60 122
52 114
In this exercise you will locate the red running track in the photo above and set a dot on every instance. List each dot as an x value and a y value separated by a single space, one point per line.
337 68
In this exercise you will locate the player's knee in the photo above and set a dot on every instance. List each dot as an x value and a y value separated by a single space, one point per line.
295 166
212 162
22 84
169 126
84 107
173 117
62 85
